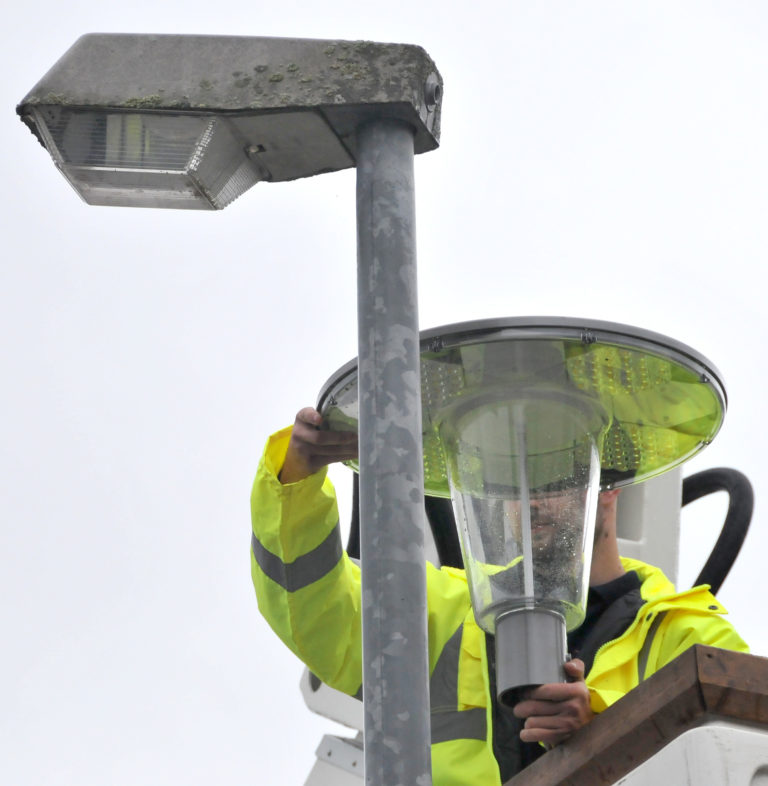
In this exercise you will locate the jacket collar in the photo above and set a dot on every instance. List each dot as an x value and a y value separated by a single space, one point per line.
657 588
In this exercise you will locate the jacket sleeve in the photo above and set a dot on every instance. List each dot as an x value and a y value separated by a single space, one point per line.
307 588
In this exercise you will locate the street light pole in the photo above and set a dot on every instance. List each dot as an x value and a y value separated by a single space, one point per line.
395 659
193 122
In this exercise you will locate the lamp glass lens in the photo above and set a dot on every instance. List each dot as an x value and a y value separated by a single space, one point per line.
524 477
129 140
147 159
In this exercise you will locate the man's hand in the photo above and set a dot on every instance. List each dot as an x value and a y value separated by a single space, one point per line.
554 712
310 448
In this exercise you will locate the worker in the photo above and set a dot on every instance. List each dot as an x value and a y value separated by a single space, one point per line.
308 589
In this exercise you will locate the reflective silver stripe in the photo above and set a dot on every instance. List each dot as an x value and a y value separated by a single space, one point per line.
304 570
458 725
444 682
642 658
448 722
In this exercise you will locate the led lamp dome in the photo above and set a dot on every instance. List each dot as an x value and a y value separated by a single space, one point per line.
665 402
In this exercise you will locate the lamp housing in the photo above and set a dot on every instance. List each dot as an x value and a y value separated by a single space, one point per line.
193 121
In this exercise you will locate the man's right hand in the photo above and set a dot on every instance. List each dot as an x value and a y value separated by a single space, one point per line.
554 712
311 448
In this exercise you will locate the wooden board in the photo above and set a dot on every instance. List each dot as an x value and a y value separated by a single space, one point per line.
704 683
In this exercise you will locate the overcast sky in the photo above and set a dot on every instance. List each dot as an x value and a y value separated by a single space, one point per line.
598 159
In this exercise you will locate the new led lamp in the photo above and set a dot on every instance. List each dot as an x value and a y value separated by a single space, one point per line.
179 121
524 421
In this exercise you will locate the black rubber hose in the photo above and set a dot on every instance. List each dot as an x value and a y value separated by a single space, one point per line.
740 505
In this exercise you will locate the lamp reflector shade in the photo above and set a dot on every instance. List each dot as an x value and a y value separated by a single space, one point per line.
145 159
664 401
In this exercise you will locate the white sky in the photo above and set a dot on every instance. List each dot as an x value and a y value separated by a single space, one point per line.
598 159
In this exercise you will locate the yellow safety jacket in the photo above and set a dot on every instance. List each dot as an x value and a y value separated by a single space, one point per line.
309 592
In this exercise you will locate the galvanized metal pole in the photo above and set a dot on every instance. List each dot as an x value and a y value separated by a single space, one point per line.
394 604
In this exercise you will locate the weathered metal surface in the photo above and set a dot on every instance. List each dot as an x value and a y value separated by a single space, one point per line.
347 82
395 664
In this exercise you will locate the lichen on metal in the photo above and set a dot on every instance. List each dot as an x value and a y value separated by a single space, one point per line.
342 80
147 102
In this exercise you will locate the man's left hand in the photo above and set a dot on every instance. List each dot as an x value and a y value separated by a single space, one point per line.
553 712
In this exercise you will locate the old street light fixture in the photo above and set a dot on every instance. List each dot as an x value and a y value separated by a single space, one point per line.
193 122
524 420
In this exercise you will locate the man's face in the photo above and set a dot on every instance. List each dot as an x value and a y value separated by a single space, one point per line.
554 516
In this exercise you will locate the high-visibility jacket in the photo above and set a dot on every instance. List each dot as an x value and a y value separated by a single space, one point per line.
309 592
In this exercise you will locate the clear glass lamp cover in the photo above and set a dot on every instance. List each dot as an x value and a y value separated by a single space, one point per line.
524 474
